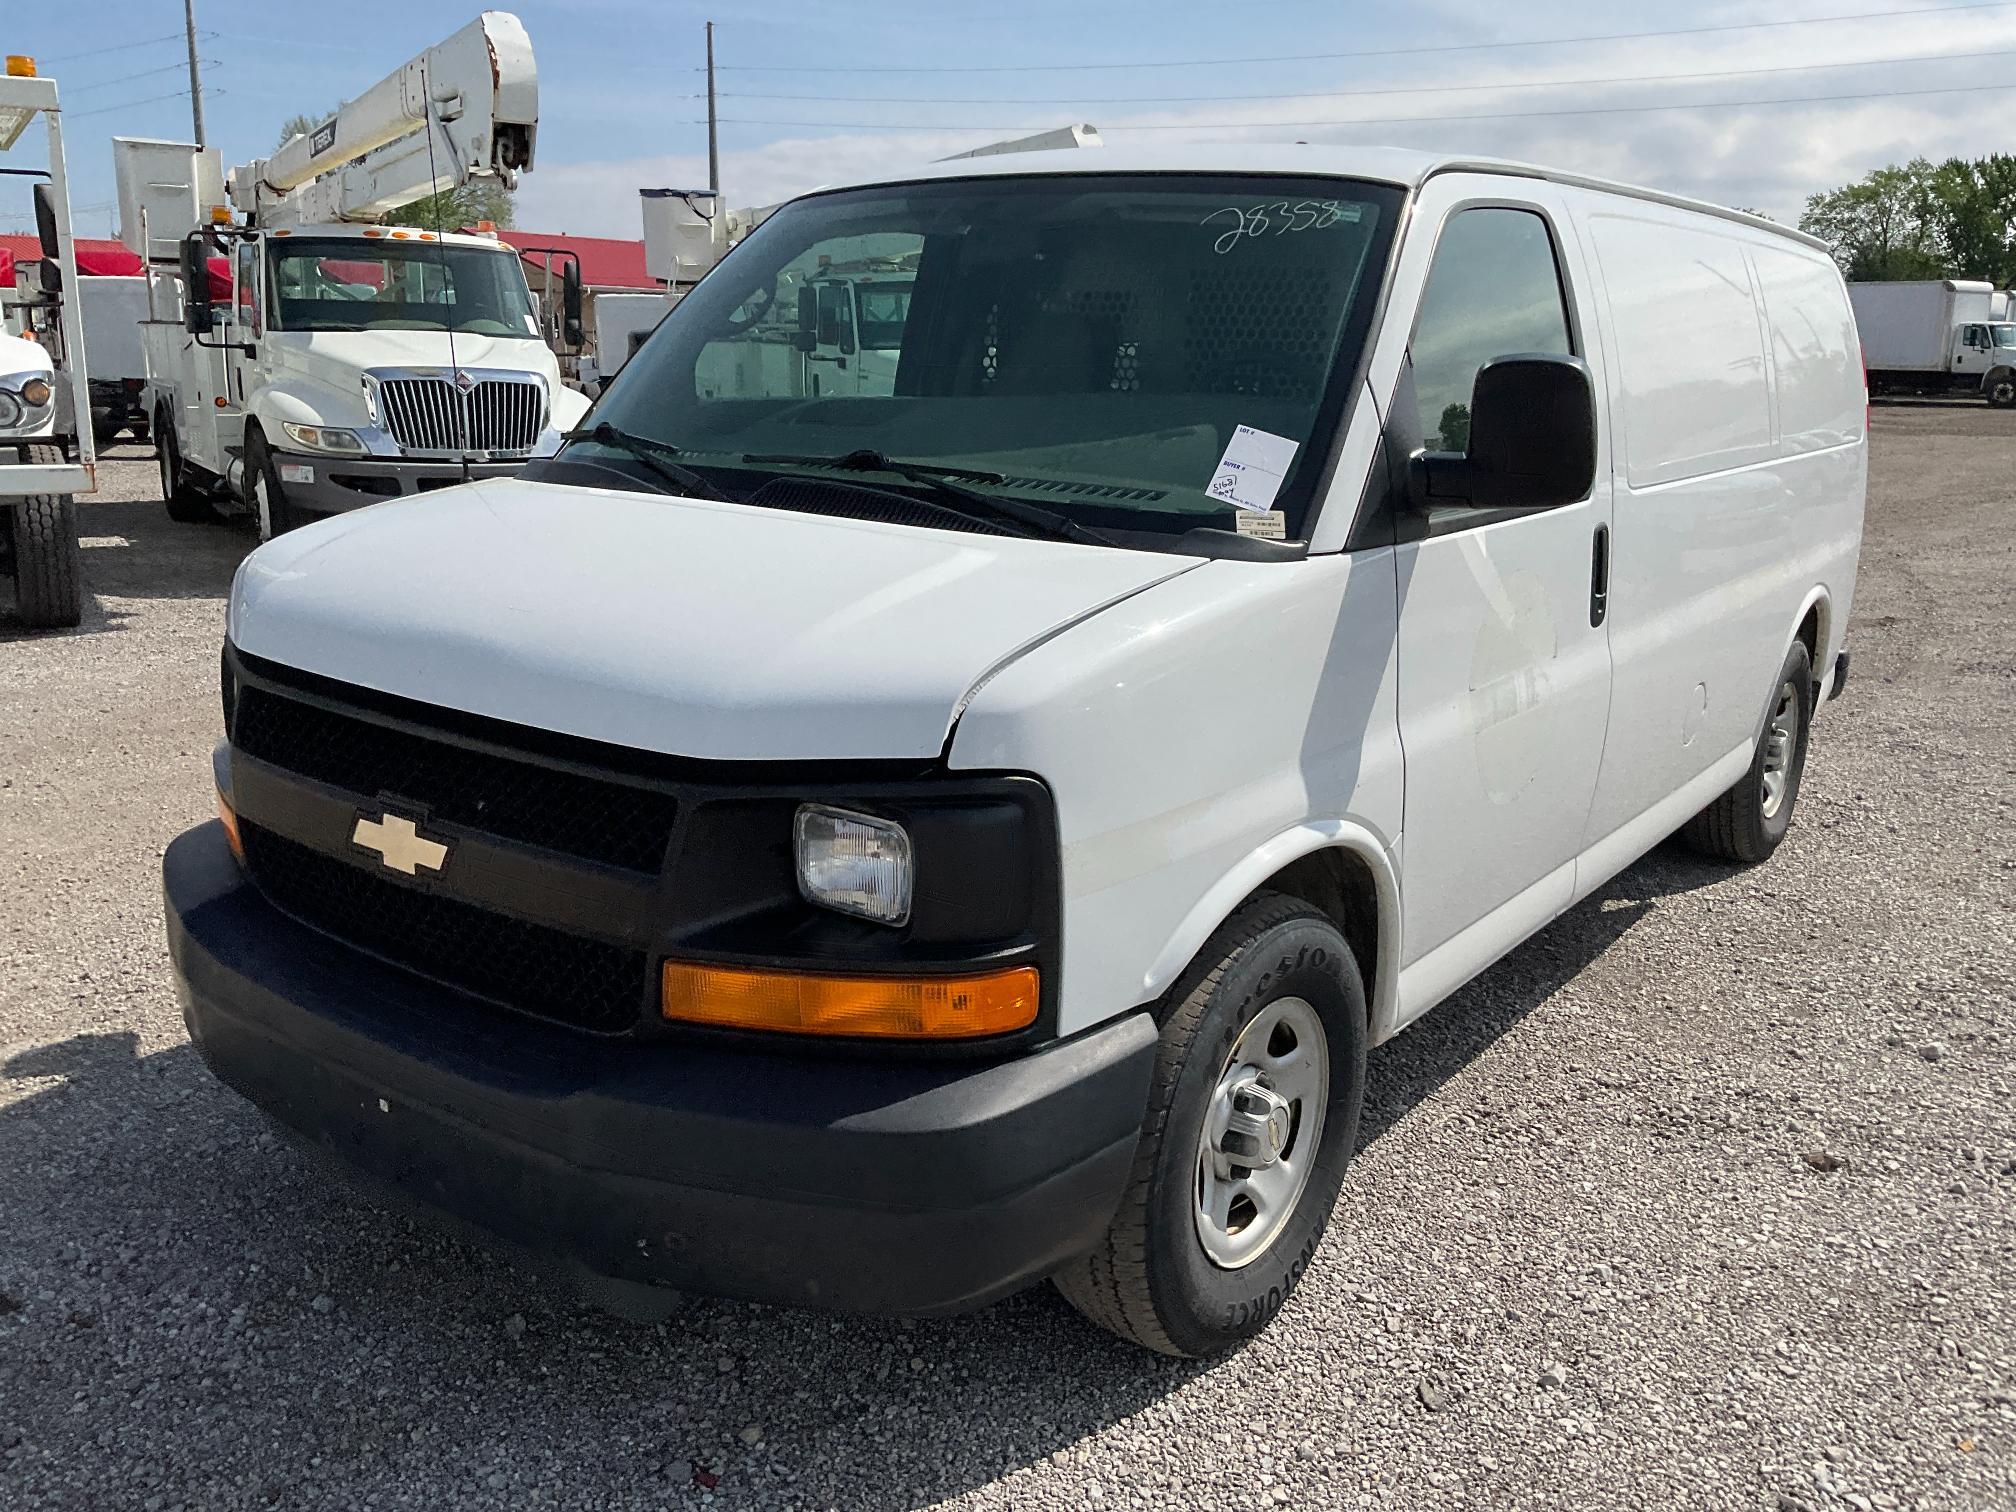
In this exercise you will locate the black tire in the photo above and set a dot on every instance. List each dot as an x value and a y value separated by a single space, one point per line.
1150 1280
48 563
1744 824
105 427
187 503
278 516
2000 389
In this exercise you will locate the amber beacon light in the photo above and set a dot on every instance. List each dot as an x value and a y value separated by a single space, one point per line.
877 1007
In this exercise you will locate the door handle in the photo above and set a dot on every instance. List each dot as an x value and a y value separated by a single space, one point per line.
1599 577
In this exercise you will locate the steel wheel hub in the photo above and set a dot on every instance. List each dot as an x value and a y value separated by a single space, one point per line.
1781 739
1261 1133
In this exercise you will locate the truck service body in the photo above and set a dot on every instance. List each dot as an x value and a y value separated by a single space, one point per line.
879 849
340 361
47 456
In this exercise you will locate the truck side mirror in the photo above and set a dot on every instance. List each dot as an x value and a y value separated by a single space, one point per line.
1532 439
198 318
45 221
571 332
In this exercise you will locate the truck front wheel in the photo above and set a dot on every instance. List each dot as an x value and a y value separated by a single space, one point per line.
187 503
48 565
264 494
1251 1119
2000 389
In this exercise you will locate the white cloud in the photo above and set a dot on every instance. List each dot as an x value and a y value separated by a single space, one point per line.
1770 156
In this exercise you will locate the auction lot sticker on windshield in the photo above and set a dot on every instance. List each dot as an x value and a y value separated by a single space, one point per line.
1250 472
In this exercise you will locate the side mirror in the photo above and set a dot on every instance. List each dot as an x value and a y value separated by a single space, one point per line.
50 273
198 318
804 341
45 221
1532 439
571 332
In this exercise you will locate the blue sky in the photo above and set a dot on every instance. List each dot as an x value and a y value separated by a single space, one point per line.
619 82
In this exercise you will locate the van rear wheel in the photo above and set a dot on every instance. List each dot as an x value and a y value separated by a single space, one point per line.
1747 822
1252 1117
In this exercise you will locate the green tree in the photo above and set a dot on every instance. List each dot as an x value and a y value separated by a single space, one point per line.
1887 225
1976 216
485 199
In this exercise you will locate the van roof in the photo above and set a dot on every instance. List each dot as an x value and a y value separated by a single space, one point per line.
1406 167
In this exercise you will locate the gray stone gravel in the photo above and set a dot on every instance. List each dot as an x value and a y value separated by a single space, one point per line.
1677 1207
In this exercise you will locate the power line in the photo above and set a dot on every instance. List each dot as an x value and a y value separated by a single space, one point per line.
1375 52
1337 94
145 73
173 94
174 36
1495 115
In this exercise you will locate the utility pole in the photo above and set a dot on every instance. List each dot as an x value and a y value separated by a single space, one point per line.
713 130
195 79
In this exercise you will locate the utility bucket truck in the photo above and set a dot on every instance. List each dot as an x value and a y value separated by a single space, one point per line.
310 357
46 457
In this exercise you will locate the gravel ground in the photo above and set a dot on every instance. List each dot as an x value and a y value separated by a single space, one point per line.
1705 1198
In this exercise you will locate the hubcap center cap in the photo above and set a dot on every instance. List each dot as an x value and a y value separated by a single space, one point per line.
1259 1127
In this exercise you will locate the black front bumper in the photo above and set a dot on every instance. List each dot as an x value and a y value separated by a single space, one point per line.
333 484
873 1185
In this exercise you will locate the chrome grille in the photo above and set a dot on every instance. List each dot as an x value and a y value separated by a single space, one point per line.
432 415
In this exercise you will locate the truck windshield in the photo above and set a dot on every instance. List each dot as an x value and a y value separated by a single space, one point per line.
1144 353
2005 335
346 284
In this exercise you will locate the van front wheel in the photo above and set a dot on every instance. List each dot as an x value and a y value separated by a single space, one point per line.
1747 822
1251 1119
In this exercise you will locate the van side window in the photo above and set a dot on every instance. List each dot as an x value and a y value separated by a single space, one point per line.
1493 289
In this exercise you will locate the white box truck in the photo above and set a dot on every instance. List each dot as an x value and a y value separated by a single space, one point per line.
1936 336
882 851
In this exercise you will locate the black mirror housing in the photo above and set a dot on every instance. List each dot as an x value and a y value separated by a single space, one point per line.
1532 439
45 222
198 318
572 332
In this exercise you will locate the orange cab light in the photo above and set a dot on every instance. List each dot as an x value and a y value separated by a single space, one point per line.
229 816
401 235
20 66
867 1007
374 231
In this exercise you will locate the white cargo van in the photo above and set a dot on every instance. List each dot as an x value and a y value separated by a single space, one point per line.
879 849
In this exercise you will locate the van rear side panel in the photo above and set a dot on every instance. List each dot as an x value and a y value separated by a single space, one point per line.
1740 463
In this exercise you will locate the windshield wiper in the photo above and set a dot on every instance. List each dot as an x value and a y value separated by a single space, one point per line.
655 455
956 496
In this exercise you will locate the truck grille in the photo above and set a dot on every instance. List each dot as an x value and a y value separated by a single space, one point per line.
592 818
587 984
432 414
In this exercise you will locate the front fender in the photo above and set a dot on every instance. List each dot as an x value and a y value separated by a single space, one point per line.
299 401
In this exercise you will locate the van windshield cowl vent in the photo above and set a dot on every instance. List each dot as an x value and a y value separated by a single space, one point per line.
851 501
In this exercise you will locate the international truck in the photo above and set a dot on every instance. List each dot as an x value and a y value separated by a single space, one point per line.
1936 336
305 357
46 456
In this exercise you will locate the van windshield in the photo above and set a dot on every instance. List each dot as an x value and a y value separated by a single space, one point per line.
349 284
1144 354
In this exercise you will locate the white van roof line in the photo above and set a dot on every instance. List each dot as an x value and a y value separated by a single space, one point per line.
1408 168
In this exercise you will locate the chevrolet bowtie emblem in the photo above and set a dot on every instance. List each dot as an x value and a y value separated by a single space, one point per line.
399 845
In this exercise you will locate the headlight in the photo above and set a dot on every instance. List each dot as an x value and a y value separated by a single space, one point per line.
10 411
36 392
854 863
324 438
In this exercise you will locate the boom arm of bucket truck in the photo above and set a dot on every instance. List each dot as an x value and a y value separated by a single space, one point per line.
465 109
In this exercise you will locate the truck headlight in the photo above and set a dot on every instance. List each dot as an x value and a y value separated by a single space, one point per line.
36 392
854 863
324 438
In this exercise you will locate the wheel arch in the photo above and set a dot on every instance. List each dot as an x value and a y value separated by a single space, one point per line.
1338 866
1814 625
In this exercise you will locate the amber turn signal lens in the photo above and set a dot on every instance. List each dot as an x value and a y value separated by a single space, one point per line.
790 1002
229 816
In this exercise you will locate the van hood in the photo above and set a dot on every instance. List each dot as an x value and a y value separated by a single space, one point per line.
681 626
